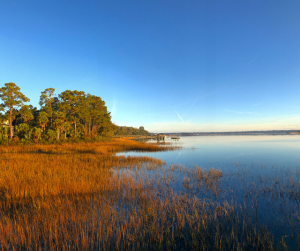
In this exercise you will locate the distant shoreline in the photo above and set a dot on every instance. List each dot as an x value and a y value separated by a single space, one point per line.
246 133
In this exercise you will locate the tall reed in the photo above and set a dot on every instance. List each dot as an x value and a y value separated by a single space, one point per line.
84 197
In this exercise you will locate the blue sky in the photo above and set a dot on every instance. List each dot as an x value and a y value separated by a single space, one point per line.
170 66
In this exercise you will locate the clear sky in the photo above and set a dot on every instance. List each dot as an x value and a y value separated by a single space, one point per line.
167 65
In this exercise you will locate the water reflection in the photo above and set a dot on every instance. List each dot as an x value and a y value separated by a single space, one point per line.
279 150
256 175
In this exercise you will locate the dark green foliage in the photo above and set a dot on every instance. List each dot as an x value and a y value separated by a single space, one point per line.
23 131
126 130
47 102
50 135
72 105
72 116
4 134
12 98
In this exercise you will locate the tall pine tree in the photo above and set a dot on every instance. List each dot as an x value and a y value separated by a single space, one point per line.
12 98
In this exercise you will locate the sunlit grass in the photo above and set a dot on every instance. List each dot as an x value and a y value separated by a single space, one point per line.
116 145
84 197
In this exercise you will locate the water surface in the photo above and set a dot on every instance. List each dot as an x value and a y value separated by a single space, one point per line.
224 151
260 174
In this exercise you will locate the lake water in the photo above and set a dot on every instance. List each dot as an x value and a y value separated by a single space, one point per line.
225 151
260 174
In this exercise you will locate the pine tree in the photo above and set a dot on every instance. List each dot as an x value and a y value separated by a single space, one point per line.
26 114
70 105
85 111
43 120
59 119
46 101
12 98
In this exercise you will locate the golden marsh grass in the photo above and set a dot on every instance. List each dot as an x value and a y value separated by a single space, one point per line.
84 197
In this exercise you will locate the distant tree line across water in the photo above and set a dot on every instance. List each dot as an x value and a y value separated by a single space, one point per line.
125 130
70 116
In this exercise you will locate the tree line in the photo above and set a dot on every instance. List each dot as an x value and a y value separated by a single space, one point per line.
71 115
127 130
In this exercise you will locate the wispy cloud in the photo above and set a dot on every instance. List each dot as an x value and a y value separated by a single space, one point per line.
179 116
252 60
196 99
114 108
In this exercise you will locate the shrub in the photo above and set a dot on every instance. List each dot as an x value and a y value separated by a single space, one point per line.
3 134
24 132
50 135
16 139
36 134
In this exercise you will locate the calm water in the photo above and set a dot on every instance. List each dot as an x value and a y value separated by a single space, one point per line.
225 151
261 174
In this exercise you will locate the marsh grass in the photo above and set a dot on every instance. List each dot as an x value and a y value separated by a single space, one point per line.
84 197
114 146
